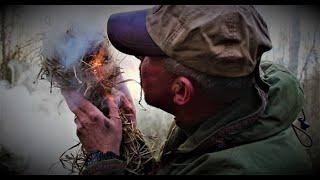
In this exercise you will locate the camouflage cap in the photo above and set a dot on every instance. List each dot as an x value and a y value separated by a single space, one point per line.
219 40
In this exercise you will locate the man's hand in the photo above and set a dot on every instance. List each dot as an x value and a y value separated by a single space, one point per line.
94 129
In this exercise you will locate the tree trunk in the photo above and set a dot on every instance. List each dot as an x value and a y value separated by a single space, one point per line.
312 104
311 87
5 73
294 44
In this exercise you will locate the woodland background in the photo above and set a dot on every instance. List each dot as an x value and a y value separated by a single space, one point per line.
36 126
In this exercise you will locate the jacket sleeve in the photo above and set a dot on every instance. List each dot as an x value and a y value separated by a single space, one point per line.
116 167
106 167
209 165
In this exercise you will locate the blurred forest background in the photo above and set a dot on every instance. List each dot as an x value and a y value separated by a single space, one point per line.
36 126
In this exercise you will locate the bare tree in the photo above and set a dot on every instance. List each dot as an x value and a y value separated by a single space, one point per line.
19 50
294 44
282 47
310 78
4 69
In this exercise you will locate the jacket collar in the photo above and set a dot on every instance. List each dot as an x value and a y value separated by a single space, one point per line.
215 130
285 100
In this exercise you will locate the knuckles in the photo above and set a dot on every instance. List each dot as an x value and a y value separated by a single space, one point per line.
94 116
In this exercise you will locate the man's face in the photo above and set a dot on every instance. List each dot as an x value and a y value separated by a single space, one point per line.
156 82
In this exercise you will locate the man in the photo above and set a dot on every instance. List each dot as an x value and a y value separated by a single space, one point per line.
202 64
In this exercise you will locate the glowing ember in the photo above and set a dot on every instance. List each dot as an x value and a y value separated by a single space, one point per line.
98 64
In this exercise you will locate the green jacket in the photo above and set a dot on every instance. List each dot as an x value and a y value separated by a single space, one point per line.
252 136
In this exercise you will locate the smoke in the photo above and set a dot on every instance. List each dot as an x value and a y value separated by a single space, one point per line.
36 125
69 43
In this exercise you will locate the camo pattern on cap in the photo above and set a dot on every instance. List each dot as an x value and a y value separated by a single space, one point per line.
218 40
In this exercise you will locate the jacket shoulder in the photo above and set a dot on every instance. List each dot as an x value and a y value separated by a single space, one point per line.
285 96
279 154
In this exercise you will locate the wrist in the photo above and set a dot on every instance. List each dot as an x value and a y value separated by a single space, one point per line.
97 156
114 150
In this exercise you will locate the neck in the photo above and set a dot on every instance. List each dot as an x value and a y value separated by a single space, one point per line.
201 108
191 115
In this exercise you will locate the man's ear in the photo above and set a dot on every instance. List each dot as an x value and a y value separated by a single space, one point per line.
182 90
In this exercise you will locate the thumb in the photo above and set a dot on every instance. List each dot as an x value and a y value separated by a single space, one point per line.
128 109
113 108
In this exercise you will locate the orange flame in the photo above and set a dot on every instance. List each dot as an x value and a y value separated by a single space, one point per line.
97 63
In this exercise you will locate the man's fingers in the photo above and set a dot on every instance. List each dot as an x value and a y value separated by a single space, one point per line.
128 109
81 118
88 108
113 108
122 87
78 125
72 103
81 107
127 105
78 103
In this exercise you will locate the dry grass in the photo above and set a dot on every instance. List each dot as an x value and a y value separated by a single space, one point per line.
94 76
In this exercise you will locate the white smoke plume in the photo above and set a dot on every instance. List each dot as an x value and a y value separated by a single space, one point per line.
69 45
38 126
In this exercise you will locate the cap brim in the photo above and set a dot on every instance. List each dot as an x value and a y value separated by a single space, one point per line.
127 32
